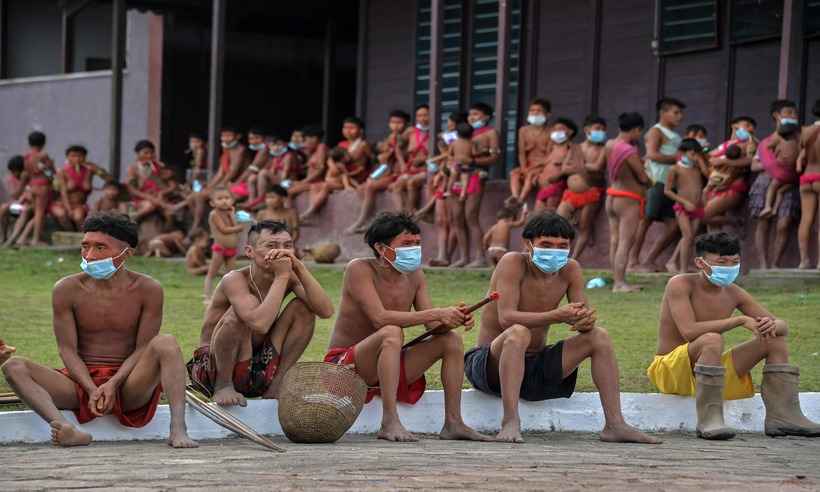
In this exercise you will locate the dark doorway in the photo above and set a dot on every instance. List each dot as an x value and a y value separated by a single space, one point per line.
274 64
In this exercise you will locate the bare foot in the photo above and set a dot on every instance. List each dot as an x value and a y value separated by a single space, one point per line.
804 265
510 432
671 266
645 268
227 396
66 435
178 438
460 432
626 433
459 263
477 263
438 262
625 288
395 432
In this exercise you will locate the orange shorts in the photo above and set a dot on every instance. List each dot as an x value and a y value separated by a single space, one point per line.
580 200
139 417
407 392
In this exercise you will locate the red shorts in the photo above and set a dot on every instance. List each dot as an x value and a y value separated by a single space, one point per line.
553 190
809 178
473 185
221 250
580 200
738 187
240 190
617 193
698 214
406 393
251 377
132 418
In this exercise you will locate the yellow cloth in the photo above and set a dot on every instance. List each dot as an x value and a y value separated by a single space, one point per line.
672 373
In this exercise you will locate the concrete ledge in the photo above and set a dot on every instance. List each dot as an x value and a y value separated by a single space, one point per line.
582 412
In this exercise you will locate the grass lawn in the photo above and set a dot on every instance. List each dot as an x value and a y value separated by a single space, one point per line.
26 278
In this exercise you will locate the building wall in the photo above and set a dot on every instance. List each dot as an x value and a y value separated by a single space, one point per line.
390 55
75 108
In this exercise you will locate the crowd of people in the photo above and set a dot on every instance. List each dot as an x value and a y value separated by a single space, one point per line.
682 182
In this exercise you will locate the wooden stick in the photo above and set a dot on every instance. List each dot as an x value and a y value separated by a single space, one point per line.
443 329
10 399
228 421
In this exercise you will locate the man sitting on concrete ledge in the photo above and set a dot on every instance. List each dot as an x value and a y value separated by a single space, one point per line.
107 323
382 296
511 359
697 308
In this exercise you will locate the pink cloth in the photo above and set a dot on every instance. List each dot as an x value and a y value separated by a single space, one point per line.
775 169
621 151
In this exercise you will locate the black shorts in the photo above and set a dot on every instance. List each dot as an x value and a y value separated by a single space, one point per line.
658 205
543 374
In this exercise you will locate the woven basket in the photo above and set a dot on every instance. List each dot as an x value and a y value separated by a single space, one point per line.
319 402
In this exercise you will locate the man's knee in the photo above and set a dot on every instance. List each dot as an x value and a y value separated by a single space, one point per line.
165 346
392 337
710 342
517 337
452 342
14 368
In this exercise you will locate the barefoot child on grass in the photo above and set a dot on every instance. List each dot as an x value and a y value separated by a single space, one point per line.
497 238
195 260
226 235
684 185
438 206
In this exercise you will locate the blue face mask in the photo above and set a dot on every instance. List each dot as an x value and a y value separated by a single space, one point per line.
597 136
408 259
723 276
294 146
478 124
686 161
432 167
549 260
742 134
101 269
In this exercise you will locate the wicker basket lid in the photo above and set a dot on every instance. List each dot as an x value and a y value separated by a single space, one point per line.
319 402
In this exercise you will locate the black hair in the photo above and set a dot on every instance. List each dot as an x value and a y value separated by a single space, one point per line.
76 148
354 120
277 138
688 144
279 190
563 120
815 110
666 102
733 152
630 121
198 233
398 113
197 135
483 107
144 144
457 117
16 163
544 103
313 131
386 226
594 119
548 225
788 131
338 154
422 106
718 243
747 119
229 128
257 131
506 213
274 226
37 139
464 130
118 226
697 128
779 104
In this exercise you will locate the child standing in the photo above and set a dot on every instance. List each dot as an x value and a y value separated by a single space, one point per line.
438 205
225 231
461 160
497 239
684 185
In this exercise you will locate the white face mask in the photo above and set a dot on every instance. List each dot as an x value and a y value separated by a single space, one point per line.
536 119
559 136
421 127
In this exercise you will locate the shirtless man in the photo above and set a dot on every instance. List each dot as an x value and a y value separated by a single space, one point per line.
144 181
75 187
564 158
625 201
586 183
380 298
696 310
533 149
661 154
511 360
107 323
411 178
808 165
247 345
316 153
38 175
